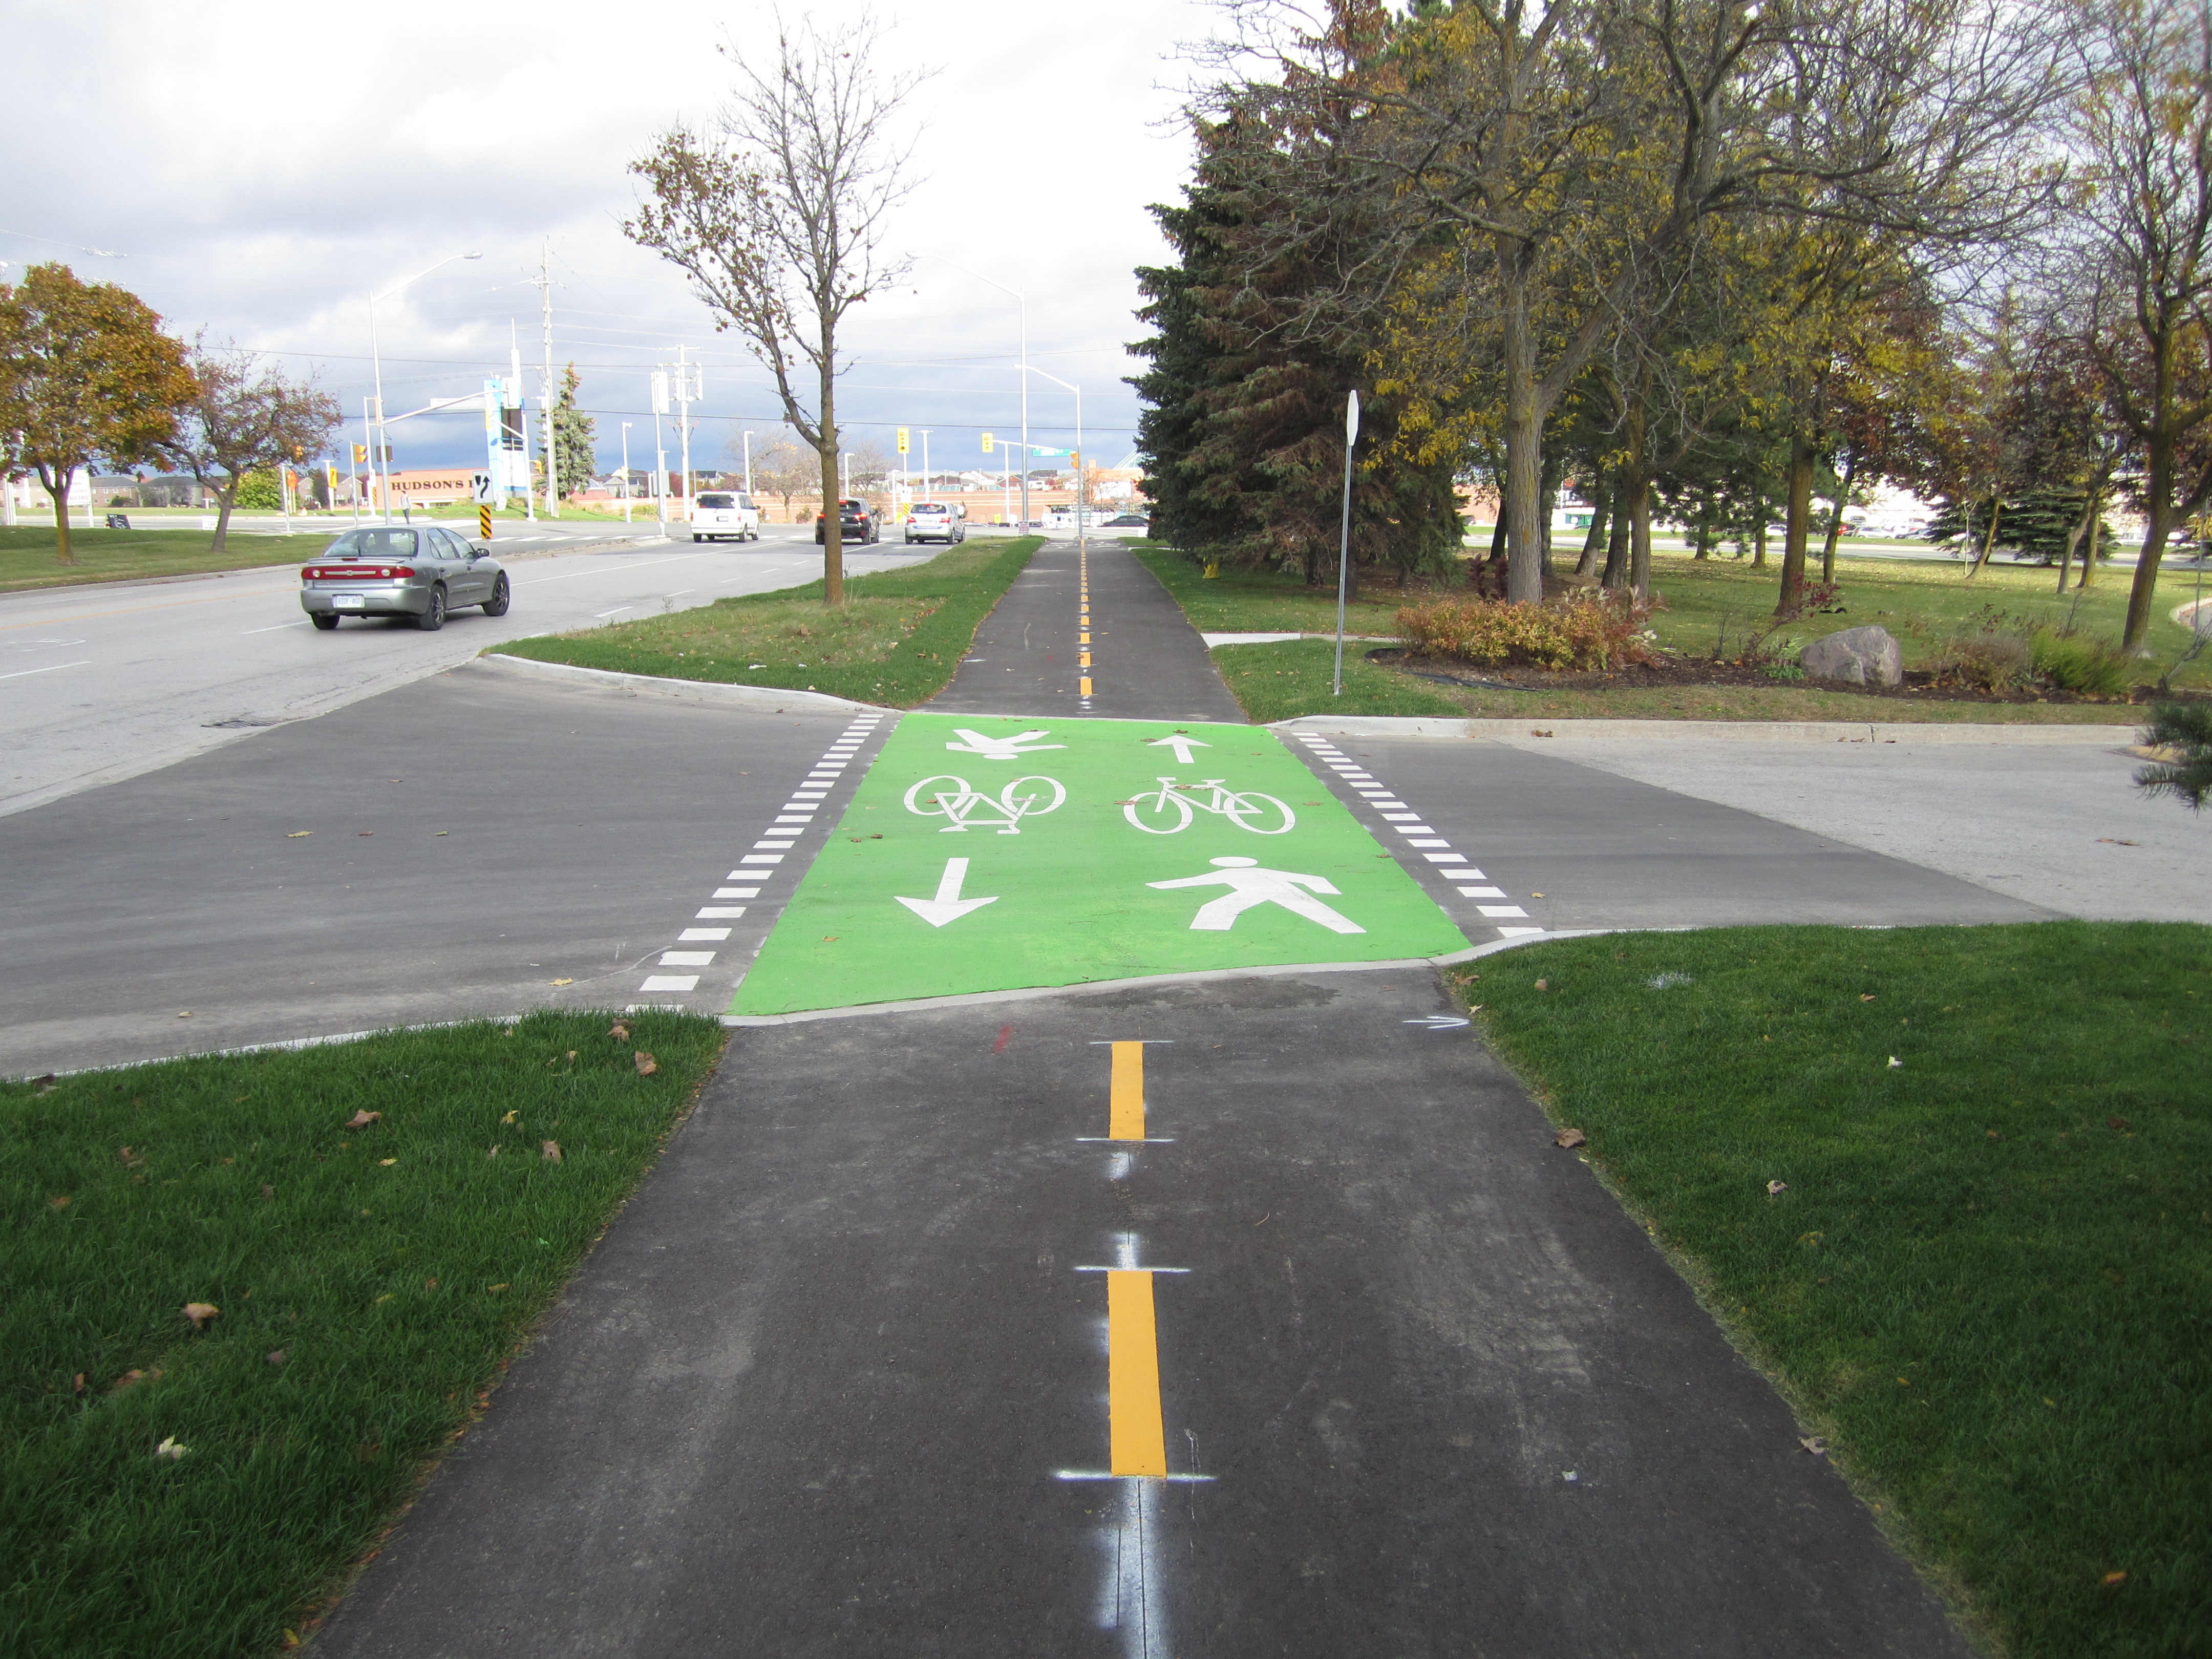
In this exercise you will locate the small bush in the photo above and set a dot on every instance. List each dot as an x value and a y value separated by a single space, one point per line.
1986 661
1583 632
2078 662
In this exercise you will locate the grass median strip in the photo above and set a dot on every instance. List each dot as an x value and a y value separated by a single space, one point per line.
1952 1189
245 1299
899 639
27 554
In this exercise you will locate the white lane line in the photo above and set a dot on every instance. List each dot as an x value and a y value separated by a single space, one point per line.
616 611
671 982
251 632
681 591
48 669
740 892
687 958
710 912
610 569
703 935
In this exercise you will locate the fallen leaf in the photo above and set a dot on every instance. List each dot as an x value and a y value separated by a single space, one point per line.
1895 1064
2114 841
386 1162
1994 1135
1814 1444
572 1056
551 1150
131 1379
494 1289
1543 985
364 832
494 1152
1535 895
76 1383
1569 1138
291 1639
387 1297
186 1014
560 981
430 1283
274 1356
1866 996
200 1312
362 1120
296 834
1777 1186
2111 1580
2116 1123
267 1191
646 1064
618 1031
170 1448
59 1201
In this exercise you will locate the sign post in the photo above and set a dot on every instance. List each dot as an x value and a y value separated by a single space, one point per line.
485 486
1344 540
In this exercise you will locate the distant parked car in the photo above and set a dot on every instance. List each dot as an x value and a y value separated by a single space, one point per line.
388 570
856 522
927 521
718 513
1124 520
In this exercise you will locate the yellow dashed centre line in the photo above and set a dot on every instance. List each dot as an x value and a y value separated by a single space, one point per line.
1125 1099
1137 1436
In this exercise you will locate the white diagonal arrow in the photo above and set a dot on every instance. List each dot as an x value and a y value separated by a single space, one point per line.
1013 748
1182 745
948 905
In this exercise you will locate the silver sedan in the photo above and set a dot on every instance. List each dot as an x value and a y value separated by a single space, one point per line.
391 570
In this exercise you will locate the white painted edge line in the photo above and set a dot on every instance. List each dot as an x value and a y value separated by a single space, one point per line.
1031 993
1829 732
744 696
1215 639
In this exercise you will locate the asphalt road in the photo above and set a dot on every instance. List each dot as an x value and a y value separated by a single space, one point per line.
105 682
848 1376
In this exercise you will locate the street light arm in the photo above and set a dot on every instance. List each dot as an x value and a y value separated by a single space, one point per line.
977 274
420 275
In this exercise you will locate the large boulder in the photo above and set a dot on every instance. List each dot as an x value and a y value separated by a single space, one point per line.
1858 656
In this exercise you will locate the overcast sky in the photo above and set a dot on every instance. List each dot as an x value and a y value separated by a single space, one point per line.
264 167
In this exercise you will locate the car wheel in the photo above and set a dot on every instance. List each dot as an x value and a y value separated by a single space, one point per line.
496 604
324 622
432 619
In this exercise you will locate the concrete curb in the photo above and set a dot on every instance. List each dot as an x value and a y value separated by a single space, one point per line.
1619 731
765 697
1032 993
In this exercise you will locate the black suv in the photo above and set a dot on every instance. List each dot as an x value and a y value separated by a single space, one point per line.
856 522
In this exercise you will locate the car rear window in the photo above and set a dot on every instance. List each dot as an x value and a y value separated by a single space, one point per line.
926 507
379 544
718 500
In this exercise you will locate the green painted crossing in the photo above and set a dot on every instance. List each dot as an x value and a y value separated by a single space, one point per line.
989 854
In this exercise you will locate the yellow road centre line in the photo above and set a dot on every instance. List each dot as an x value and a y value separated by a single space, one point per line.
1085 683
1125 1099
1137 1436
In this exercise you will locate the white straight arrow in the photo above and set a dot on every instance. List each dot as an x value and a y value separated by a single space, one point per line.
948 904
1183 745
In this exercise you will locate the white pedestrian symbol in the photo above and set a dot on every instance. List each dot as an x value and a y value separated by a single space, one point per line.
1250 885
1005 749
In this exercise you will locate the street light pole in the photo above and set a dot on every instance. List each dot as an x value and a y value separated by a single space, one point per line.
1025 301
625 438
376 362
929 484
1081 517
749 465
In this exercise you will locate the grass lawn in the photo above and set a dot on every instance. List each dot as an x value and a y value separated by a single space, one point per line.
372 1283
1987 1276
897 640
27 554
1707 603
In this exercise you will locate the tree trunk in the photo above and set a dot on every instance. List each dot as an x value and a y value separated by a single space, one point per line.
1639 536
2158 491
1759 539
2089 558
2073 537
224 500
1836 522
64 553
1601 510
1989 541
1616 545
833 503
1704 534
1796 521
1524 439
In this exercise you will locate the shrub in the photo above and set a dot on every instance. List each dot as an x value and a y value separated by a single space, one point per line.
1991 660
1583 631
2079 663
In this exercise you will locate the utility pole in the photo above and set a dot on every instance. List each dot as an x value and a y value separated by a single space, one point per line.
749 465
660 451
552 457
625 426
928 484
687 388
512 400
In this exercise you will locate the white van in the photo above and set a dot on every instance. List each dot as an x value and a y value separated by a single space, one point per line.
720 513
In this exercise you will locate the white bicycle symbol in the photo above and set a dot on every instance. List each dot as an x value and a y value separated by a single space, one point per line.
1175 800
1003 812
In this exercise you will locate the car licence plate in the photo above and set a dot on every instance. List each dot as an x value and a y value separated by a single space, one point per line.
349 601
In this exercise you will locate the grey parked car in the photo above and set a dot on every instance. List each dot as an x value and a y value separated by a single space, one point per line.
391 570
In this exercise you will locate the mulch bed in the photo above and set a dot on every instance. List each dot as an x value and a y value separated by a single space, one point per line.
1678 671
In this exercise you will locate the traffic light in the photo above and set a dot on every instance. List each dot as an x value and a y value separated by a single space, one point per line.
360 454
987 443
902 440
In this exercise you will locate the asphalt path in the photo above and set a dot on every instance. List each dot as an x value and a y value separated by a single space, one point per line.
470 844
846 1378
1138 659
105 682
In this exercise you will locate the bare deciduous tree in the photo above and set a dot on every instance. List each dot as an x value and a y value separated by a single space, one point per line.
782 468
778 217
244 417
